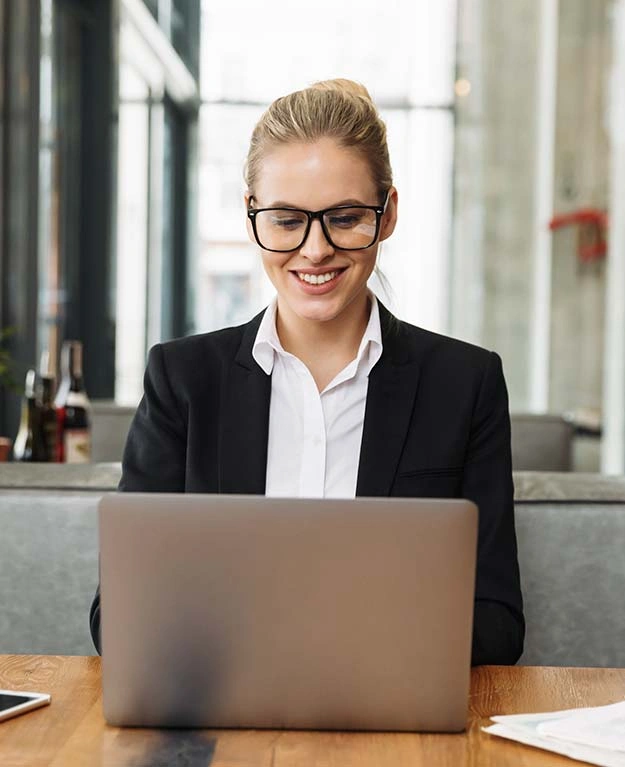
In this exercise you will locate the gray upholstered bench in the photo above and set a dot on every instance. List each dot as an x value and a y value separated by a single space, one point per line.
571 536
48 571
571 532
49 555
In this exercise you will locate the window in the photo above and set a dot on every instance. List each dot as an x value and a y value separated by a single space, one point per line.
404 54
157 115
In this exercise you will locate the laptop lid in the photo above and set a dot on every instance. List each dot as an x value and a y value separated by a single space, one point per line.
245 611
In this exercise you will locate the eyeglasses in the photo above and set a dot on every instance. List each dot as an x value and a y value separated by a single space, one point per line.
347 227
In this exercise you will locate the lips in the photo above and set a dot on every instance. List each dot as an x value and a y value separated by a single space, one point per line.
317 277
317 281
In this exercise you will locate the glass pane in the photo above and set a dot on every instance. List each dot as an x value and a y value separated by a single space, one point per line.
402 50
226 256
226 299
185 32
415 259
348 39
132 238
60 138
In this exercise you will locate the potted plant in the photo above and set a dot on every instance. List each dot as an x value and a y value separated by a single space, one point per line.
7 380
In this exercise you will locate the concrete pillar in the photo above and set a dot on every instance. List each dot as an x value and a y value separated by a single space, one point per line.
543 202
613 449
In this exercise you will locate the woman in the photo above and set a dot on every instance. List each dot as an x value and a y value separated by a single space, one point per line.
326 393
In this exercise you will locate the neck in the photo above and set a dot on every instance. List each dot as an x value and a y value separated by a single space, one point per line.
324 347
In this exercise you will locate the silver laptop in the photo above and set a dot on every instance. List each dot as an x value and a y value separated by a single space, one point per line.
246 611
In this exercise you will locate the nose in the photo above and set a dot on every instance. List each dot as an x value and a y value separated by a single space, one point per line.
316 248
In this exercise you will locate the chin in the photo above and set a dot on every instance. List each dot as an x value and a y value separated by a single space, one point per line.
323 307
319 315
317 311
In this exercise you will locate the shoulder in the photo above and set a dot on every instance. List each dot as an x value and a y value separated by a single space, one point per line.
218 346
409 343
219 342
447 367
450 371
200 362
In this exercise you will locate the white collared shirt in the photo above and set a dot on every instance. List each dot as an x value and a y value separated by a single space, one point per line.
314 437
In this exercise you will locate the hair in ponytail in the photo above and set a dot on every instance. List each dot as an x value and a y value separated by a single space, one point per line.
339 109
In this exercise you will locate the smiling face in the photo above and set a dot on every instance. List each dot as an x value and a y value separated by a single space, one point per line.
318 282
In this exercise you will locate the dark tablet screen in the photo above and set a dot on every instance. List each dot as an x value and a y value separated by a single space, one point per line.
9 701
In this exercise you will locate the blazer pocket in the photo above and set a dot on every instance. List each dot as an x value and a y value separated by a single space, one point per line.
452 471
431 483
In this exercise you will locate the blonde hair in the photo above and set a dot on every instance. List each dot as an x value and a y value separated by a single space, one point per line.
339 109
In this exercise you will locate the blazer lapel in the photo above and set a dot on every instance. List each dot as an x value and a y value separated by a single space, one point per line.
245 422
391 394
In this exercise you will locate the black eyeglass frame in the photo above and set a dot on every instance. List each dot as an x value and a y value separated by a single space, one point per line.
317 215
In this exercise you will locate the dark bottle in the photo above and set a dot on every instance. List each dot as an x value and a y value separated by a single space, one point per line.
73 408
49 420
29 444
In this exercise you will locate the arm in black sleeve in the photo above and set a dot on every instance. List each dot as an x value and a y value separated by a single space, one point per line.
498 623
94 621
155 453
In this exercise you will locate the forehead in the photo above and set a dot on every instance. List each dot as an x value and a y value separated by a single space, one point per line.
314 175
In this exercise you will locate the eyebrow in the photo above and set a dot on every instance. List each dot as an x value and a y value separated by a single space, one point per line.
283 204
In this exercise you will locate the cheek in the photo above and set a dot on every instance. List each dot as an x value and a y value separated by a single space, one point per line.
369 260
272 262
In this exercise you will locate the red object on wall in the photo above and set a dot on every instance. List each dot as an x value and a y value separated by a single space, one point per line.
593 225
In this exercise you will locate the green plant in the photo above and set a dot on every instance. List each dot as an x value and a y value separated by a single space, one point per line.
7 375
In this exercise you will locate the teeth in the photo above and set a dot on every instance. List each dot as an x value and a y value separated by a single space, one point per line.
317 279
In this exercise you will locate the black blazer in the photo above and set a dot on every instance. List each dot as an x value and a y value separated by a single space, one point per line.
436 425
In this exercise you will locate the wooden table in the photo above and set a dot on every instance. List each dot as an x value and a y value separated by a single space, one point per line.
71 731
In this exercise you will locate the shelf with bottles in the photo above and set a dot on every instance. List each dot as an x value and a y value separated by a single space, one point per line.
55 428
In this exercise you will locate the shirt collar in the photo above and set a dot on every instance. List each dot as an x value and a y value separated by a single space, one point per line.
267 343
370 349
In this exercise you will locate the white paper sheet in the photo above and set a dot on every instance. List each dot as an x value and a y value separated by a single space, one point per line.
602 727
593 735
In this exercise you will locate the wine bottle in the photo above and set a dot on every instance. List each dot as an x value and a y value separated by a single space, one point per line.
48 412
29 444
73 408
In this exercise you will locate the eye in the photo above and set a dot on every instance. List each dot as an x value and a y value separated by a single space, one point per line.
286 221
345 219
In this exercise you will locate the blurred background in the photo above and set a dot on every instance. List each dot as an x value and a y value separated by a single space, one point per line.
124 126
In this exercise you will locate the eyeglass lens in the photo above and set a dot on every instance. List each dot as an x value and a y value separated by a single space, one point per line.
285 229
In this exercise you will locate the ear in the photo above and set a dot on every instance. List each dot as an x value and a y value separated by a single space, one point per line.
247 198
389 218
